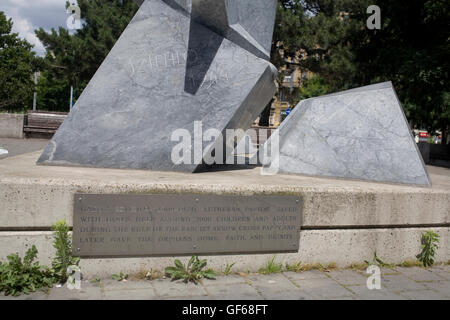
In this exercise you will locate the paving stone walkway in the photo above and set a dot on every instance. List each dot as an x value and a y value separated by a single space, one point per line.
396 284
17 147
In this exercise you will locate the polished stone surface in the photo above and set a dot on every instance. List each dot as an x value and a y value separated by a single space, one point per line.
249 24
357 134
166 72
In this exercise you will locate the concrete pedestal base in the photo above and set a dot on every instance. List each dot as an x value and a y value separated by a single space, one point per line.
343 221
11 125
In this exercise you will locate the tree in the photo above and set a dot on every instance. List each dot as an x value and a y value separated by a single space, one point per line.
53 93
411 49
322 37
313 87
73 59
17 64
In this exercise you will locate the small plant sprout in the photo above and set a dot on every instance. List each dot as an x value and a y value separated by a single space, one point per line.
430 243
120 277
271 267
376 261
95 280
228 267
193 272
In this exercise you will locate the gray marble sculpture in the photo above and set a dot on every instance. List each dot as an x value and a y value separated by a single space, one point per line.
177 62
359 134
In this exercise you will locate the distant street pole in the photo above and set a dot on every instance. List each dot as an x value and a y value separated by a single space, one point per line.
71 97
35 90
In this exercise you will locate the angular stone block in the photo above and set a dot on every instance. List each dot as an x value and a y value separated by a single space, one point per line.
165 72
358 134
246 23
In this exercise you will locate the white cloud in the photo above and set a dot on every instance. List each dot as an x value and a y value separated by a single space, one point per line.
28 15
26 31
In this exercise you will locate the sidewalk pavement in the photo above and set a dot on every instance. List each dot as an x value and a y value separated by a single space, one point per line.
17 147
396 284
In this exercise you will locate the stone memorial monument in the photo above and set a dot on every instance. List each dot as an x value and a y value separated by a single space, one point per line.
358 134
178 62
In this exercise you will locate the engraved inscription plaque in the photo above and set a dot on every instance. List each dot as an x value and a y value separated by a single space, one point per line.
109 225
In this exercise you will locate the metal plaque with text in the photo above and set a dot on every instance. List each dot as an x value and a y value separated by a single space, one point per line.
109 225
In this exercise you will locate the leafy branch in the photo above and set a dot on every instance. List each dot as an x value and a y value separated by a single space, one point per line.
62 242
430 244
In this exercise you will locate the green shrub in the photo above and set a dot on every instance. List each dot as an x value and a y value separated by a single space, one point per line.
271 267
430 241
17 277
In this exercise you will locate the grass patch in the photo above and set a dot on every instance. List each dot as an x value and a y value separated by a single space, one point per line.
154 274
313 266
361 266
227 270
271 267
296 267
140 275
410 264
299 267
332 266
145 274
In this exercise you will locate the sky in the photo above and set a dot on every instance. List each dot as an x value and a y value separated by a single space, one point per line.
28 15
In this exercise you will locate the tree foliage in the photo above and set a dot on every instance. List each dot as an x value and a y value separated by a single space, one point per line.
73 58
17 64
411 49
313 87
327 37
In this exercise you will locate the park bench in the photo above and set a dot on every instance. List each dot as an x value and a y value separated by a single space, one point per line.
258 137
43 121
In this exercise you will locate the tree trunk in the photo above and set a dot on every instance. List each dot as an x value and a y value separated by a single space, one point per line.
445 136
